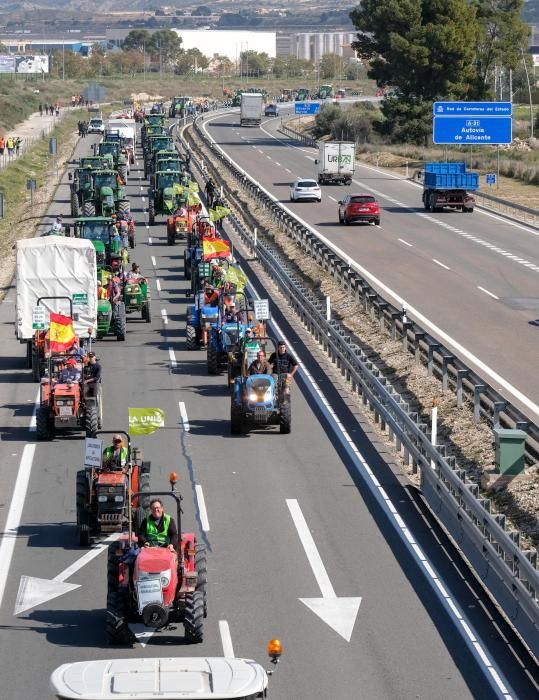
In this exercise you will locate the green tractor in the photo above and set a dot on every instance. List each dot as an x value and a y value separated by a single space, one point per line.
168 158
162 197
152 146
111 320
325 91
80 185
136 296
100 230
107 196
302 94
117 159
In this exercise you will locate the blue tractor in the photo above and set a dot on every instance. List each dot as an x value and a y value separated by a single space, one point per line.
260 400
225 338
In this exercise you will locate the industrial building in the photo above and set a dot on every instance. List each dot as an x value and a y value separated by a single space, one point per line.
312 46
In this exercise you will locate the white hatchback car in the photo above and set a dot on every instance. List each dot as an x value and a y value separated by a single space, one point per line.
304 188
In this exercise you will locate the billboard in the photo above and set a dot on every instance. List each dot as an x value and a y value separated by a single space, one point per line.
14 63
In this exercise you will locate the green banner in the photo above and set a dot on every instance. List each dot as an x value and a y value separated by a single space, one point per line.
143 421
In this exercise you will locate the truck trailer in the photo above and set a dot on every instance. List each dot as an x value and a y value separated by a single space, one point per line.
336 162
251 108
448 186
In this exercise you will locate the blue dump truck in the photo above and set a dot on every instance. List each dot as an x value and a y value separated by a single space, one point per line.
448 186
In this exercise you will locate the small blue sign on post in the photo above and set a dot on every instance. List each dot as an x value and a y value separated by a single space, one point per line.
469 131
306 107
472 109
490 178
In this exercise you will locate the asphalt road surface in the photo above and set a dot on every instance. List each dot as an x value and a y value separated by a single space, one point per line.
284 518
473 277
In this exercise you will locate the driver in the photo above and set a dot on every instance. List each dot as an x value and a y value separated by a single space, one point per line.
71 372
115 456
158 527
260 365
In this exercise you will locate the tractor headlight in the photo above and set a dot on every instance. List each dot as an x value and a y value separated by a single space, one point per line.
118 499
165 577
102 499
253 396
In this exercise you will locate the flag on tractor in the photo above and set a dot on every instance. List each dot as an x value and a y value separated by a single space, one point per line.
193 199
236 277
218 213
214 248
61 332
177 188
193 186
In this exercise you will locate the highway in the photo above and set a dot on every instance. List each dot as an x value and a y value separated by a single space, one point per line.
472 279
284 518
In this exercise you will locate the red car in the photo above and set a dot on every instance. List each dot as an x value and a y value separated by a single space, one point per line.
359 207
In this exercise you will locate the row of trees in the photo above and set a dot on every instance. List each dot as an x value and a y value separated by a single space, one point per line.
429 50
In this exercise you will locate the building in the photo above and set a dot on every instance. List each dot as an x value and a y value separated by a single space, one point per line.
47 46
228 42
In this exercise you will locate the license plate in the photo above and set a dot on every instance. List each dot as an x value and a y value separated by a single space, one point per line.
364 209
149 591
65 410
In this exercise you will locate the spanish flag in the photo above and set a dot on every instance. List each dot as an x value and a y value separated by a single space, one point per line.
214 248
61 332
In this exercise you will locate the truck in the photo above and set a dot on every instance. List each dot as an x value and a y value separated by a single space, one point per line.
336 162
251 109
127 132
448 186
56 274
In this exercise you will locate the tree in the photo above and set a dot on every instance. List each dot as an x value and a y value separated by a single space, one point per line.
165 46
192 60
290 67
230 19
254 63
425 49
201 11
330 66
136 40
222 64
501 39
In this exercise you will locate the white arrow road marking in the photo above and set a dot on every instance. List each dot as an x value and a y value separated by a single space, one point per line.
339 613
7 546
226 640
36 591
142 633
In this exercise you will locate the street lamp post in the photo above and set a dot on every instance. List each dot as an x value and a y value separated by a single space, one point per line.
529 92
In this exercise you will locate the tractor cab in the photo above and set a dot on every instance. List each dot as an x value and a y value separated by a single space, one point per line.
199 678
109 148
94 162
155 120
100 230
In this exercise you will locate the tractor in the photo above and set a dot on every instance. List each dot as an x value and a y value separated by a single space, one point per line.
200 316
155 584
107 196
100 230
178 227
136 296
163 196
152 145
112 151
225 337
80 185
105 494
260 400
63 405
111 319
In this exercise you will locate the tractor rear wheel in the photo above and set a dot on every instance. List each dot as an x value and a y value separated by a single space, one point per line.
193 620
235 420
212 360
88 209
116 627
35 367
91 420
124 208
43 430
122 172
146 313
191 337
74 205
113 569
151 212
285 418
82 500
144 485
186 268
201 567
120 322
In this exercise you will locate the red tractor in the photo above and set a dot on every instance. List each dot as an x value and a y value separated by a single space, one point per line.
105 494
156 585
178 228
63 405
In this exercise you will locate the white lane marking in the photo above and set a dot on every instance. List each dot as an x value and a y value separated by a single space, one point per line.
442 335
487 292
143 199
226 640
32 426
149 240
311 550
9 538
310 158
141 187
172 358
333 198
440 264
405 242
253 147
288 170
204 522
276 163
164 316
183 414
158 287
153 261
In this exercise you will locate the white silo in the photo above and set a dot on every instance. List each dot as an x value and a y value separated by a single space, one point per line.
329 44
304 46
318 47
339 41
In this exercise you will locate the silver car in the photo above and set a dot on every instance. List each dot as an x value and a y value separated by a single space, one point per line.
304 188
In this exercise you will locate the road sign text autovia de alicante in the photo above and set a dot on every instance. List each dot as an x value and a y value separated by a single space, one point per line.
307 107
472 130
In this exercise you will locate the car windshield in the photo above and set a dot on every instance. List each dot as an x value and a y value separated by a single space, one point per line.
306 183
362 199
108 180
96 122
95 231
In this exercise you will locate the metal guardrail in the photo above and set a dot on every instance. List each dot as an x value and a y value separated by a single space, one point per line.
506 570
484 200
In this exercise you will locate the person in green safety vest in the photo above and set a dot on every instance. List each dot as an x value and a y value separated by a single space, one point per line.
158 528
116 455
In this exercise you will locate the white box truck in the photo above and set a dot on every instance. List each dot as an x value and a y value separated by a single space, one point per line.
251 109
127 130
54 274
336 162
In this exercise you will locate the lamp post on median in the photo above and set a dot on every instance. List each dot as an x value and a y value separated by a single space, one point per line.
529 91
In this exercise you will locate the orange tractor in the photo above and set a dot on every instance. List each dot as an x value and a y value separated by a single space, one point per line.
178 227
63 405
106 499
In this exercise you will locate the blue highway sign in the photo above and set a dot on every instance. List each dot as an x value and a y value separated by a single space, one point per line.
490 178
472 130
472 109
307 107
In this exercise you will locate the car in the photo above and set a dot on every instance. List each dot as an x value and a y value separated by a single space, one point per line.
305 188
96 126
359 207
271 111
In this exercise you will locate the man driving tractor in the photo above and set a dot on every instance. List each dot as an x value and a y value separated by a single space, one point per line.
115 456
158 528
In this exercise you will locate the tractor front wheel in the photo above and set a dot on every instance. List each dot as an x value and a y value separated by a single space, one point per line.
235 420
285 418
116 627
120 322
42 424
146 313
212 360
82 500
186 268
74 205
88 209
151 212
191 337
193 620
124 208
201 567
